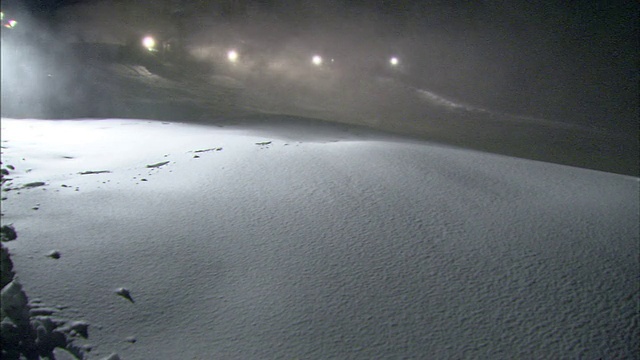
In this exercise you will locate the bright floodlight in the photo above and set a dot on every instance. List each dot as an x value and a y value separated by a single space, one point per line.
394 61
316 60
149 42
232 56
11 24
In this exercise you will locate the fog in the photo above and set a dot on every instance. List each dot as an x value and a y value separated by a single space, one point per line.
245 173
570 63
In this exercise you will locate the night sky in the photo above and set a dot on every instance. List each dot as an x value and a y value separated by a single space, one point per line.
566 60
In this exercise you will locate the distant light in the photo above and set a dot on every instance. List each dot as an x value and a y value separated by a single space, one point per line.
316 60
232 56
394 61
10 24
149 42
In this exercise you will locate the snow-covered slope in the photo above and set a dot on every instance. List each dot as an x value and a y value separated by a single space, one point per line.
318 242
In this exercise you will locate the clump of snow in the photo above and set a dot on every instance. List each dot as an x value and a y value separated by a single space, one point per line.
29 331
34 184
131 339
351 246
90 172
156 165
112 357
14 303
125 293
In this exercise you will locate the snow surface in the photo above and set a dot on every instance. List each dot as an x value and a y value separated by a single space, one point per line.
345 245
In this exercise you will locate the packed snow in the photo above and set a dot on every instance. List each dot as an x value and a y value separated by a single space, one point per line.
179 241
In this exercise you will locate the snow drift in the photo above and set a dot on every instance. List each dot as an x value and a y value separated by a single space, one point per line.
318 241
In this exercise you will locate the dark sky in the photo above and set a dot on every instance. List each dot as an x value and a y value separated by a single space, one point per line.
552 58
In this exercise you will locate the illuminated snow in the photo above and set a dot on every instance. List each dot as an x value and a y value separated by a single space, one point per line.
314 242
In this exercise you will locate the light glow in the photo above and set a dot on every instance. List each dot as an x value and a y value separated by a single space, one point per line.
316 60
232 56
394 61
149 42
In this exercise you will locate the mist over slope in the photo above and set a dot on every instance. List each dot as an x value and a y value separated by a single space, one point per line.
513 86
569 62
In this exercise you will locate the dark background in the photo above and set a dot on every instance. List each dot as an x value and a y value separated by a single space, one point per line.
574 61
566 61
